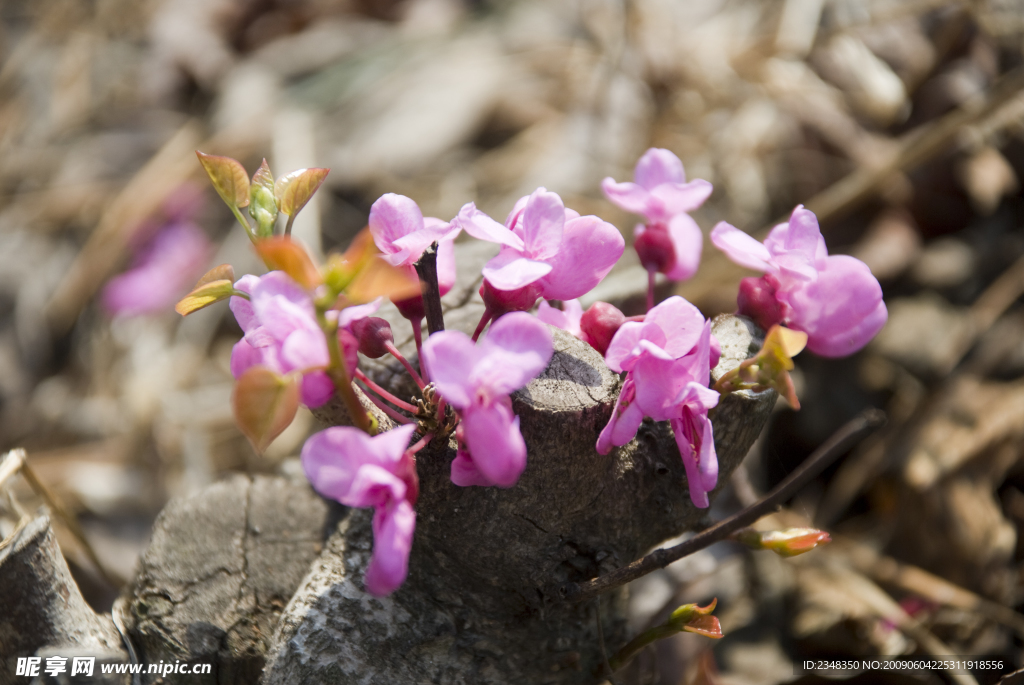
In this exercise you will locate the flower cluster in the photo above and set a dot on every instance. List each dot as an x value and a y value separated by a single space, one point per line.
833 299
304 326
667 360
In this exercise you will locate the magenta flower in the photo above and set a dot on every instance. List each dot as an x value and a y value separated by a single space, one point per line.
282 333
477 381
668 361
163 270
670 242
347 465
834 299
401 233
547 251
567 318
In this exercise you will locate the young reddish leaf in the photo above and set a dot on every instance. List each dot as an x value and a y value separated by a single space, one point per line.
379 278
281 253
264 404
294 190
708 626
204 295
223 272
228 177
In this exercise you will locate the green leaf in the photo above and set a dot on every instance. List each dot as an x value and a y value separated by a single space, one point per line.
294 190
228 177
264 404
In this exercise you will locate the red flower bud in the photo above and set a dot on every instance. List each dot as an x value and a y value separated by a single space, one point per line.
757 300
501 302
599 323
373 334
655 249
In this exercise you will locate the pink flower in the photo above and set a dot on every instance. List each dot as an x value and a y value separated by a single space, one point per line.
163 271
567 318
670 242
282 333
401 233
834 299
547 251
668 361
347 465
477 381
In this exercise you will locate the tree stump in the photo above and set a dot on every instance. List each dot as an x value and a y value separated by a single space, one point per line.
481 603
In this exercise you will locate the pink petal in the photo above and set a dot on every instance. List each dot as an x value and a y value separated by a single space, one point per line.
687 242
678 198
627 395
316 389
282 306
243 357
349 315
346 464
658 384
658 166
627 196
516 350
801 235
464 471
393 217
590 248
479 225
393 528
543 221
495 443
841 310
434 231
698 495
627 424
622 350
707 463
510 270
680 322
446 265
568 318
241 307
448 355
304 350
741 248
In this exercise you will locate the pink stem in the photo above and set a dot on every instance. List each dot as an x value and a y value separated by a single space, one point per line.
390 347
650 288
441 405
421 443
388 410
384 393
483 322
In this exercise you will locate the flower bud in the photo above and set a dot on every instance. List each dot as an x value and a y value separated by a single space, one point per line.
654 247
757 300
411 308
599 323
373 334
501 302
786 543
262 203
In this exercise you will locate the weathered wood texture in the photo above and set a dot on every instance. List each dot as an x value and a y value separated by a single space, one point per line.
41 609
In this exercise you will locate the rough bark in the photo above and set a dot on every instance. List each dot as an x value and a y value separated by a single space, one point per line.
42 610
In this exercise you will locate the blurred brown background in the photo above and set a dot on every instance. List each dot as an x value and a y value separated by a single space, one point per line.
899 123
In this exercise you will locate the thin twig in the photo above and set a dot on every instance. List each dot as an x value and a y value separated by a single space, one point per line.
838 444
70 521
11 464
600 641
426 267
